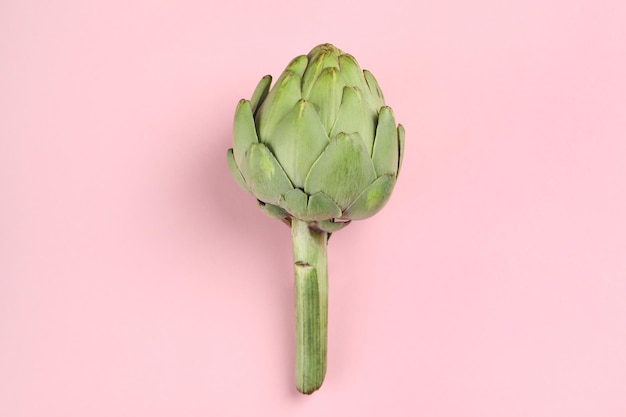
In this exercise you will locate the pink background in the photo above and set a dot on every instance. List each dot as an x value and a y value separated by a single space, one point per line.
136 279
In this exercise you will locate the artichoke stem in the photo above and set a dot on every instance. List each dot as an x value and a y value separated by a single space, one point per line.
311 303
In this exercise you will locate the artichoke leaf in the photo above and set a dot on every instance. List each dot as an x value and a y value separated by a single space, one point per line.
320 58
352 73
234 171
386 148
321 207
295 202
326 96
401 147
272 210
244 131
279 101
377 93
331 226
298 65
303 207
371 200
355 116
260 92
323 50
342 171
298 141
264 175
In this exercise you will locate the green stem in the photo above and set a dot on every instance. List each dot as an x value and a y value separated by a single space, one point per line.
311 289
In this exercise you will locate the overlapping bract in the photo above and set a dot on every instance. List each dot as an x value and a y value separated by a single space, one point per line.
320 145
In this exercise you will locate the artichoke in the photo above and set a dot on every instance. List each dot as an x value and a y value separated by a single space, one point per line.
317 150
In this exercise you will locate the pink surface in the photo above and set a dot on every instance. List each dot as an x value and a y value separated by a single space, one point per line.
136 279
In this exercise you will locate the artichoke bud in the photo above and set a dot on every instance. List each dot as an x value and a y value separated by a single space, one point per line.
319 145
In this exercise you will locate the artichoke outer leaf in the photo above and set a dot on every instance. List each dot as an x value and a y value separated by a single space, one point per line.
352 73
295 202
342 171
371 200
326 95
400 147
386 146
260 92
279 101
321 207
298 141
323 49
331 226
244 131
234 171
298 65
272 210
355 116
377 93
264 175
320 58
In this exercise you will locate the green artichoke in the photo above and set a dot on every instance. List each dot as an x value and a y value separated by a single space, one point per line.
317 150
